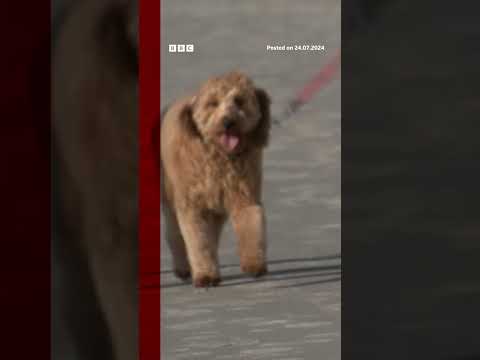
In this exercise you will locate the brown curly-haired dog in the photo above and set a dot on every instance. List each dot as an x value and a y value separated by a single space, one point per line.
211 151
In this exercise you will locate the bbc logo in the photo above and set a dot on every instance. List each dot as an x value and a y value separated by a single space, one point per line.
180 48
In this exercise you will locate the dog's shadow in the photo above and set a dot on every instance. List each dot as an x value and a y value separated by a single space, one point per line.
282 270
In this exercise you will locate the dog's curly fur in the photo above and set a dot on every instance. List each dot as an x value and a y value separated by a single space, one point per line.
211 152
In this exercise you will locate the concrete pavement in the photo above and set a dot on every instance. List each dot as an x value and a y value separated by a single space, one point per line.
293 313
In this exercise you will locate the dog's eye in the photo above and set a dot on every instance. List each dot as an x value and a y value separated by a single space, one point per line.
212 103
239 101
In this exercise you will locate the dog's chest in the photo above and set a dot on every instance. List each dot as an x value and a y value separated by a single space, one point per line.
219 183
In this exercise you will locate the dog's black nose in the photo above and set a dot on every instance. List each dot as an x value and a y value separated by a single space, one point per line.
228 124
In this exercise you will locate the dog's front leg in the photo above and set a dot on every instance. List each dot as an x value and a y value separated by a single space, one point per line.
175 241
250 227
200 234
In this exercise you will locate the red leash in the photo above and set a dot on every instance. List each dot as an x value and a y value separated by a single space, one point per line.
317 83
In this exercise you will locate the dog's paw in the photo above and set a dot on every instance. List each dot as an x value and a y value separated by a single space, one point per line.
254 269
205 280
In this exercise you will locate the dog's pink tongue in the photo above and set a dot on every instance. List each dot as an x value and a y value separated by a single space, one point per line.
229 141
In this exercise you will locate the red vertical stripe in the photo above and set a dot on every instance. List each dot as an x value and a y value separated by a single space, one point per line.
149 216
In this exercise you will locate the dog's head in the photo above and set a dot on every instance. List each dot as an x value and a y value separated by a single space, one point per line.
230 113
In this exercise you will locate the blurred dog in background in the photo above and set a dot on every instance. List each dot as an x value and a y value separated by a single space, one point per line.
95 165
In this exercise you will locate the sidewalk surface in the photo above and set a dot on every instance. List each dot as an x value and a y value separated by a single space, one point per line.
294 312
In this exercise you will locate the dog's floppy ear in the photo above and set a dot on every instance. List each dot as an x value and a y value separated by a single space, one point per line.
186 119
261 134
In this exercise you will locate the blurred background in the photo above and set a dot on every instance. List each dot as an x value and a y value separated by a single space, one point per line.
293 313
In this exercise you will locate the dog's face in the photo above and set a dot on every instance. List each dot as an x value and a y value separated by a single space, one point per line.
231 113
